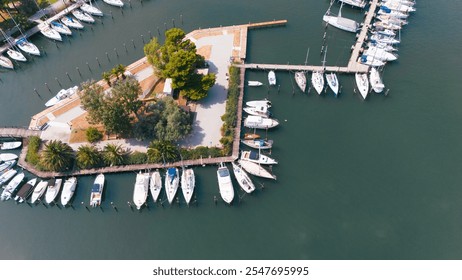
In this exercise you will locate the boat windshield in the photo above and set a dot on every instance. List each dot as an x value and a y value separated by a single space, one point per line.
95 188
223 172
253 155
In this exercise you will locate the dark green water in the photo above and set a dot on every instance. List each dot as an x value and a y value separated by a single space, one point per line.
357 180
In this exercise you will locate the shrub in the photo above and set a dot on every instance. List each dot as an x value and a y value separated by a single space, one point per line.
137 158
94 135
32 155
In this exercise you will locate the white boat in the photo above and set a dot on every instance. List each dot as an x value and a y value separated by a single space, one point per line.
54 185
317 80
357 3
383 46
392 20
155 185
225 185
254 83
5 177
27 46
7 157
71 22
172 181
370 60
300 79
6 62
25 190
48 32
117 3
362 83
271 78
256 169
375 80
258 103
38 191
257 157
387 26
11 187
62 94
92 10
380 54
260 122
403 2
16 55
394 14
188 183
68 190
341 22
82 16
96 195
384 39
258 143
141 189
6 165
243 178
332 81
61 28
257 111
386 32
398 7
10 145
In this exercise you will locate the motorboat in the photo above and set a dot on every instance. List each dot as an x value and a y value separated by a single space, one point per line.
68 190
254 83
386 25
398 7
385 11
225 185
16 55
6 62
258 103
258 143
5 177
155 185
39 190
172 181
61 28
92 10
54 185
96 195
243 178
332 81
62 94
141 189
375 80
370 60
362 83
25 190
82 16
392 20
260 122
258 111
384 39
27 47
341 22
12 186
383 46
257 157
356 3
10 145
251 136
256 169
188 182
380 54
7 157
409 3
50 33
300 79
6 165
386 32
71 22
271 78
317 80
117 3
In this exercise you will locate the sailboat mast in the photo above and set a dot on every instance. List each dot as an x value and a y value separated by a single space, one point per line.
306 58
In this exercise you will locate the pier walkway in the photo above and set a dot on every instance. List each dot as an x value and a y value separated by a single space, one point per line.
17 132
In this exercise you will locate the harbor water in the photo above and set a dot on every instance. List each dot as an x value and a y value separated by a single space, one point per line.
374 179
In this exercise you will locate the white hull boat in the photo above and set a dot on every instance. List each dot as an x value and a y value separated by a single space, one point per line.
6 165
317 80
11 187
10 145
260 122
300 79
18 56
92 10
402 2
272 78
188 182
71 22
8 157
50 33
258 143
394 14
172 181
68 190
256 169
6 62
392 20
140 192
257 111
39 190
380 54
61 28
96 195
397 7
258 103
243 178
341 22
376 81
371 61
155 185
383 46
225 185
117 3
387 26
384 39
27 47
5 177
363 84
257 157
254 83
332 81
356 3
54 185
385 32
82 16
25 190
62 94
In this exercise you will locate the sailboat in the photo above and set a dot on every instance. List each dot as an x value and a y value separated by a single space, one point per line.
12 53
155 185
171 183
92 10
82 16
71 22
331 78
339 21
188 182
48 32
61 28
356 3
380 54
300 78
362 83
117 3
243 178
255 169
6 62
375 80
22 43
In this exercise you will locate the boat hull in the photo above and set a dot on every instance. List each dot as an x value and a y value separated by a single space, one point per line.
155 185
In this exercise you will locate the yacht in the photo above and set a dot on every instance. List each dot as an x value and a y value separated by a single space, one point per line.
6 165
317 80
258 143
68 190
332 81
50 33
362 83
375 80
387 25
140 192
96 194
117 3
380 54
256 169
254 83
92 10
257 103
383 46
25 190
71 22
5 177
260 122
39 190
12 186
7 157
341 22
171 183
380 38
16 55
370 60
27 46
155 185
243 178
6 62
224 184
61 28
257 111
356 3
257 157
62 94
10 145
188 182
300 79
395 14
82 16
398 7
403 2
54 185
393 20
272 78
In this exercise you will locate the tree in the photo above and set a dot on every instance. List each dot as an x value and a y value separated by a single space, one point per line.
88 157
107 77
57 156
114 154
167 150
199 86
92 100
93 135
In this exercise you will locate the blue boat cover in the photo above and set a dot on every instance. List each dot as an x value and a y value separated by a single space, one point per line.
253 155
363 58
386 9
171 172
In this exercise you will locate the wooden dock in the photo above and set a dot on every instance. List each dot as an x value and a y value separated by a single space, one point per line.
17 132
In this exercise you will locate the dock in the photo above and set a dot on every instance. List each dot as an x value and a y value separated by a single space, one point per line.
18 132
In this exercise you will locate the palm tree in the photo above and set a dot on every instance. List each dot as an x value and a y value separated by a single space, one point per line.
114 154
107 77
88 157
154 155
167 149
57 156
120 69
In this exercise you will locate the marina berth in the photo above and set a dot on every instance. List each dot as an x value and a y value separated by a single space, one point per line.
39 190
258 143
6 165
332 81
61 28
96 194
256 169
254 83
54 185
6 176
375 80
317 80
260 122
257 111
6 62
362 83
27 46
340 22
188 183
117 3
12 186
243 178
82 16
71 22
300 79
172 181
50 33
225 185
92 10
62 94
155 185
16 55
8 157
68 190
25 190
257 157
10 145
272 78
141 189
258 103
